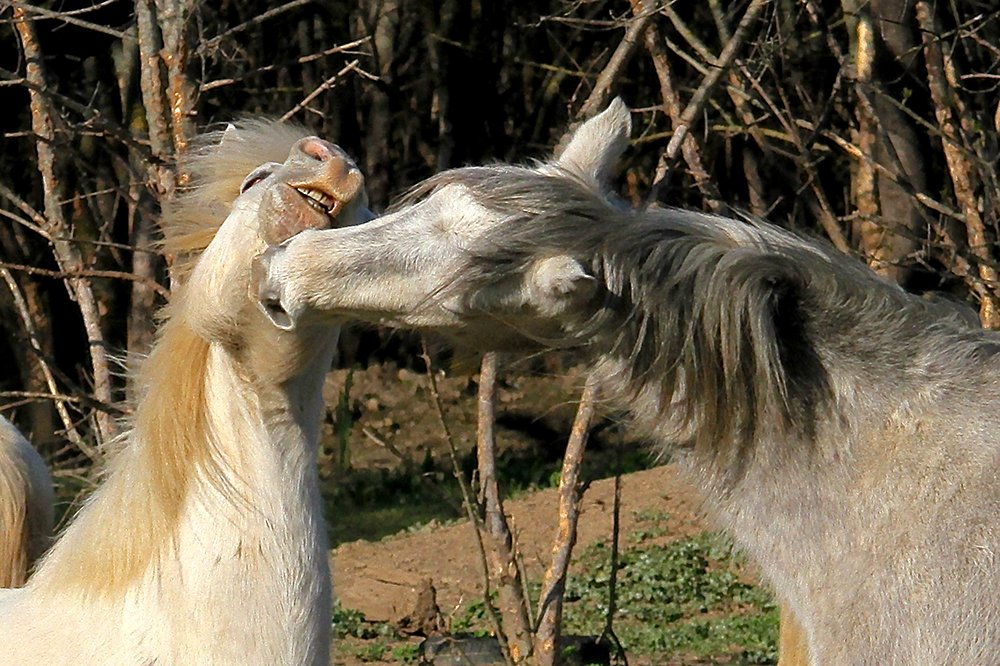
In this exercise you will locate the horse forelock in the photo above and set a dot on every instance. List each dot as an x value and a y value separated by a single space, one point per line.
214 168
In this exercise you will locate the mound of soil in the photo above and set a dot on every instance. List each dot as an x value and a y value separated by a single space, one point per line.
382 579
383 418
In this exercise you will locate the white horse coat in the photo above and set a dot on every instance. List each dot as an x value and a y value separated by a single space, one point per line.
205 545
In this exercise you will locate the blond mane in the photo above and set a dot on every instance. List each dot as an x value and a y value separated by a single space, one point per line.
214 168
170 443
205 542
168 446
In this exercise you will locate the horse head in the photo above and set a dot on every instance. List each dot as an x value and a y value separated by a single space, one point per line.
456 255
316 187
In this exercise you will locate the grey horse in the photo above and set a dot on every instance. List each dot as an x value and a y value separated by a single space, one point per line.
846 434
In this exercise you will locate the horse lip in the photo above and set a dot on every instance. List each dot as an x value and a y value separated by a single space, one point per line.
332 189
324 201
319 202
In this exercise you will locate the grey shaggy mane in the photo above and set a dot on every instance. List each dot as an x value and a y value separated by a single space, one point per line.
712 321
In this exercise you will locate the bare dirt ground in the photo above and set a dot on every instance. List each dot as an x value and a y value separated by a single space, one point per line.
381 576
381 579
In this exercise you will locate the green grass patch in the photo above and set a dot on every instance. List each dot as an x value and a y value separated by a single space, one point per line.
374 503
354 636
686 598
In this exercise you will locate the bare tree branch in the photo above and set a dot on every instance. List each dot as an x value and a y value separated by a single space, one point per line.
700 96
619 59
470 510
672 107
959 168
550 601
214 42
329 83
89 273
67 256
29 326
67 17
501 552
173 19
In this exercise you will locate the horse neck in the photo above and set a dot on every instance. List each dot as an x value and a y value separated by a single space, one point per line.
215 448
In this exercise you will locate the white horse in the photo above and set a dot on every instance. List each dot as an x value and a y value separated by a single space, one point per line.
845 433
26 506
205 544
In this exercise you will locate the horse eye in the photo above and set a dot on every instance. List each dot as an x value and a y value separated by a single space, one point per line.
257 175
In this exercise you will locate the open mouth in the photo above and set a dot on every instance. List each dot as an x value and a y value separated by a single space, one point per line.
321 201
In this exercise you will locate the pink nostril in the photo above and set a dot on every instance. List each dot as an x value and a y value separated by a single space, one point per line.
318 149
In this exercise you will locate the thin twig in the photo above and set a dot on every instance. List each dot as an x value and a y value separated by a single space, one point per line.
619 59
608 635
214 42
410 464
92 118
503 563
470 510
88 273
326 85
66 17
826 218
684 31
37 223
700 96
275 66
39 395
29 327
550 602
672 107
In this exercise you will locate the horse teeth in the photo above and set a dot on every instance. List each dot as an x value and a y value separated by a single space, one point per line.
319 200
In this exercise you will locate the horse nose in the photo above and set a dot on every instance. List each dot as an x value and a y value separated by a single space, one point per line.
336 171
329 169
320 150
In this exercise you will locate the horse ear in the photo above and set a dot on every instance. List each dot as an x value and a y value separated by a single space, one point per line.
229 135
597 143
559 284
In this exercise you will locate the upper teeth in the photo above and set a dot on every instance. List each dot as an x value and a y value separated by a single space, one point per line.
320 200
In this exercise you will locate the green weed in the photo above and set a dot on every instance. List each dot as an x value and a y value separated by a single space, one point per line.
343 421
371 650
685 598
472 620
407 653
348 622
